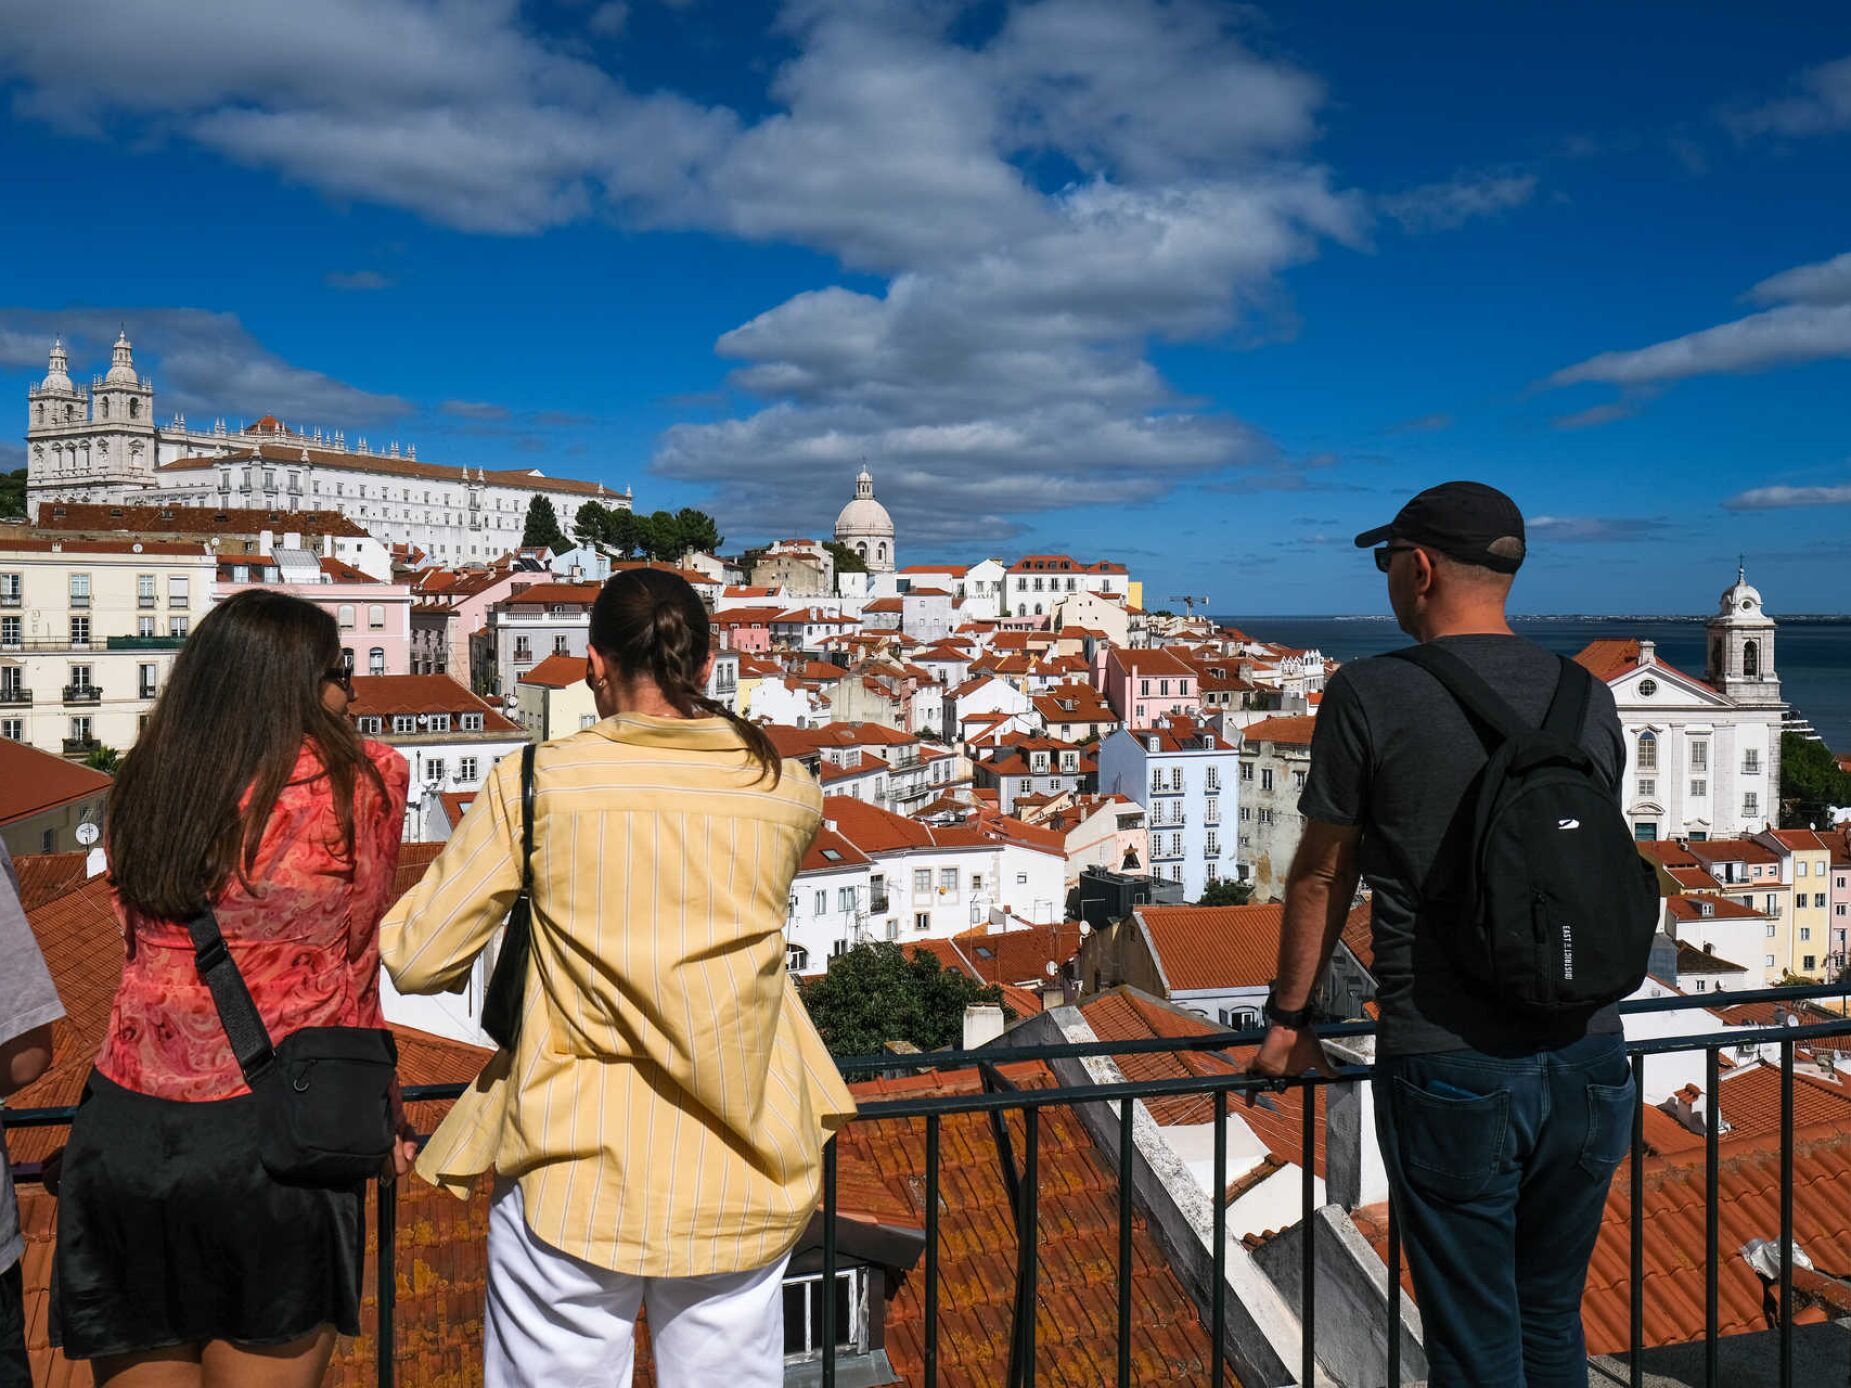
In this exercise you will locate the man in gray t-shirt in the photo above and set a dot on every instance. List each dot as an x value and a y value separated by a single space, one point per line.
28 1006
1500 1131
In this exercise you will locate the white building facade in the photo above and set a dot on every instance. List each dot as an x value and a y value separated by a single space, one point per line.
1187 778
102 444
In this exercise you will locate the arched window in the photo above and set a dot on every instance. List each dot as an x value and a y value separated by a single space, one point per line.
1648 751
796 958
1751 660
376 661
346 616
134 409
882 555
41 412
70 412
861 548
102 407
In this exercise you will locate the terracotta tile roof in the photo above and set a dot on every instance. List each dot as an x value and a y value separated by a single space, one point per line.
866 764
45 877
1664 1135
32 781
1062 563
200 520
1731 851
456 804
954 570
1800 840
1691 960
385 695
1612 660
1019 956
1691 907
1693 879
528 479
830 852
25 544
1152 660
694 577
1203 947
1777 1014
413 859
1278 1120
1359 935
549 594
1749 1101
1293 730
1078 1283
557 672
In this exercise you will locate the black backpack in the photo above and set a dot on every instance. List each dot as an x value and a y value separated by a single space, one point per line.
1548 901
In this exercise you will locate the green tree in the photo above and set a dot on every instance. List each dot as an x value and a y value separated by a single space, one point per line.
542 528
1227 892
847 561
13 492
104 759
874 994
1810 780
696 531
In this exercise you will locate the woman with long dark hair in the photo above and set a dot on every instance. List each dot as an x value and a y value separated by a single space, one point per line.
180 1259
656 1133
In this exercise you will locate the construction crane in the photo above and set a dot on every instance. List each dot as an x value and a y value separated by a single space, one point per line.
1189 603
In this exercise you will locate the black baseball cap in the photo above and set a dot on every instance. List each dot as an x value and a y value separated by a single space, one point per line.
1467 521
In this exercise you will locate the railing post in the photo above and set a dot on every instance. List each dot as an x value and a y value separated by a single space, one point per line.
1308 1307
1126 1110
385 1266
1712 1215
1786 1214
931 1253
828 1288
1218 1307
1636 1276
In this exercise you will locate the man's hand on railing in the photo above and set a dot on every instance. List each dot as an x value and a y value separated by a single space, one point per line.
1288 1052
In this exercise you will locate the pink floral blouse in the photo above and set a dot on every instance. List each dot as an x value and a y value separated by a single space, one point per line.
306 940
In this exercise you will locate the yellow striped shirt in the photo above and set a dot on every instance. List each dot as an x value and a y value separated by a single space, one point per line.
666 1104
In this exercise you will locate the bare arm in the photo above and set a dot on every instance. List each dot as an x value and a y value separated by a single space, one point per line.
1318 892
24 1059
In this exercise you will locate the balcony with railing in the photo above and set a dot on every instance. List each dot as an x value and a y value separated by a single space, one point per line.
1032 1181
83 694
80 746
15 696
144 643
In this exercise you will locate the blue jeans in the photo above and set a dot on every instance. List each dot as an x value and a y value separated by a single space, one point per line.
1499 1168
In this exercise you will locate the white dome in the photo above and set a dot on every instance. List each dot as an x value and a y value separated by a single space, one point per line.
1741 597
59 376
122 365
864 516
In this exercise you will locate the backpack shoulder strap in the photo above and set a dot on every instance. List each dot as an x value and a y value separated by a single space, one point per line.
527 796
1470 691
1568 709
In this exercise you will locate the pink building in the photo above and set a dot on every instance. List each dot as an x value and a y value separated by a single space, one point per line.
745 629
1145 686
374 617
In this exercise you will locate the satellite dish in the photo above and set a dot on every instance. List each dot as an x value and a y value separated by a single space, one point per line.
88 833
1053 968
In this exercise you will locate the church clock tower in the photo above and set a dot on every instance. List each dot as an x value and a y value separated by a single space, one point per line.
1741 648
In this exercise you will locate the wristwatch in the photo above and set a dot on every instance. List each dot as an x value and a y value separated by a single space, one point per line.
1297 1019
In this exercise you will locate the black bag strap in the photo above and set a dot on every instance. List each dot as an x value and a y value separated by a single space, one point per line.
527 819
1568 709
1461 681
244 1027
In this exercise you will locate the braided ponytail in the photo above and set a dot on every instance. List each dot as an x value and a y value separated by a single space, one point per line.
650 623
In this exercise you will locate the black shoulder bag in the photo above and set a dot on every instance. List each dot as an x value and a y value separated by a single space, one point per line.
501 1008
324 1094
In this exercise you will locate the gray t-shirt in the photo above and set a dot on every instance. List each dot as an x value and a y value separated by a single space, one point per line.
1392 752
27 1000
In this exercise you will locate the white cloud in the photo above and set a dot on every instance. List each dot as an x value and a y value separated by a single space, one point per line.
1444 206
1784 336
1593 529
1819 104
1784 498
1828 282
1002 368
203 362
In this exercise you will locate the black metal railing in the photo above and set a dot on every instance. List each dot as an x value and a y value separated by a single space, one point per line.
999 1098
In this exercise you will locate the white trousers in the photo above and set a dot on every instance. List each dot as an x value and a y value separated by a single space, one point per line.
555 1321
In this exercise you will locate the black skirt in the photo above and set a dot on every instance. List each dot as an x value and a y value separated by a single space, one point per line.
170 1232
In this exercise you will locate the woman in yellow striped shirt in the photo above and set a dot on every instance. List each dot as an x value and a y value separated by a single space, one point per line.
656 1134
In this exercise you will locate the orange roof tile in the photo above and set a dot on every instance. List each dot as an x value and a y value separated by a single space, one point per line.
1294 730
32 781
557 672
200 520
1205 947
45 877
384 695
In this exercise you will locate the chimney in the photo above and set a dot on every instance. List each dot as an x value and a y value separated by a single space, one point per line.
1648 652
983 1023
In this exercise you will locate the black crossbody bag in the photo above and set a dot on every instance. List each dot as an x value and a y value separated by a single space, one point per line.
324 1094
501 1007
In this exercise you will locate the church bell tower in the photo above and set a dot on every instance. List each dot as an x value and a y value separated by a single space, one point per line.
1741 647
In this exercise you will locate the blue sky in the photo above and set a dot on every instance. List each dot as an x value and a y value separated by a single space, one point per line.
1203 287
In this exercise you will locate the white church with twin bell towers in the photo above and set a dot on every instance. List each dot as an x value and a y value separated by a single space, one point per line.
1702 755
101 444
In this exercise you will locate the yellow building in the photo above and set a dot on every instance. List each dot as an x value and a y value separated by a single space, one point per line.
88 632
553 700
1805 867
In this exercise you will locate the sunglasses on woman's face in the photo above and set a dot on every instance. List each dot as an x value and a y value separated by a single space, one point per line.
342 675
